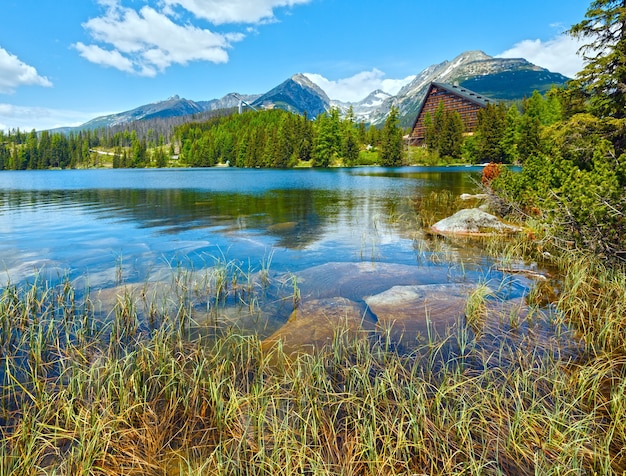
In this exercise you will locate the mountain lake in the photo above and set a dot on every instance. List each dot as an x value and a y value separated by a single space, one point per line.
251 248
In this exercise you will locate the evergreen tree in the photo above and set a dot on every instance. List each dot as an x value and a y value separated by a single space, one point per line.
391 140
350 148
362 134
372 136
323 149
45 152
438 122
4 151
59 151
603 78
510 138
160 158
305 136
554 108
529 141
284 143
349 142
139 151
32 151
490 132
451 135
335 129
430 135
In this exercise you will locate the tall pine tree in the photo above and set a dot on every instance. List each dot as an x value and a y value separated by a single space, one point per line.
391 141
603 79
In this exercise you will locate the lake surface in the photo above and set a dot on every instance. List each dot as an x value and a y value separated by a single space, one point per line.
87 221
351 233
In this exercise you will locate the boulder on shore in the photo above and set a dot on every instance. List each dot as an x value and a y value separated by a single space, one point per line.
472 221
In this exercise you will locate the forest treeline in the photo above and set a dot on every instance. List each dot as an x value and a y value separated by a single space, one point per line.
507 133
274 138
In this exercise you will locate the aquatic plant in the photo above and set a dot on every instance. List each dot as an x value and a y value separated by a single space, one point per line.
87 393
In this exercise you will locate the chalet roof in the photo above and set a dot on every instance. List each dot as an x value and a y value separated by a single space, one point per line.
476 98
471 96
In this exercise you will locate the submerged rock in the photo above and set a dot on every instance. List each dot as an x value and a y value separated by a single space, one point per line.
357 280
472 221
315 323
242 319
408 313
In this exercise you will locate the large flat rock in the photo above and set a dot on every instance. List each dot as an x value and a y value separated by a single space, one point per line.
472 221
315 323
407 314
357 280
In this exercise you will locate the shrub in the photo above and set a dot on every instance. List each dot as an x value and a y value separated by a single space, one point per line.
580 193
490 172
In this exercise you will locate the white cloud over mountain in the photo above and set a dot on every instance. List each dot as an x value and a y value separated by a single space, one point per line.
15 73
220 12
150 40
558 54
357 87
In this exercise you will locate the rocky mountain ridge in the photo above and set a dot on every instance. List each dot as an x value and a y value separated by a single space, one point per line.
499 78
465 68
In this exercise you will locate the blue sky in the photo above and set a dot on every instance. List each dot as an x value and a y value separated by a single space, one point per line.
63 63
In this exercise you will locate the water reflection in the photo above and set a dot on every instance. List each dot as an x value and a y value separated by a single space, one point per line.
84 220
315 236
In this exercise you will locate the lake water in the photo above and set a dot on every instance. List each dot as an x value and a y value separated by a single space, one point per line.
87 221
349 233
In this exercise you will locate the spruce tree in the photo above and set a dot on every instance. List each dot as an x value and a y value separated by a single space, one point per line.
451 135
391 141
430 135
510 137
490 132
603 78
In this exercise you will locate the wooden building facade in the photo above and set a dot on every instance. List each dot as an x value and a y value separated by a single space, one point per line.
467 103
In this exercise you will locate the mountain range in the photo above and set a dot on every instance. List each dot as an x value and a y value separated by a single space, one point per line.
498 78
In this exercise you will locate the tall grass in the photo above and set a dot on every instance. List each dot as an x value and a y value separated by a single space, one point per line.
89 393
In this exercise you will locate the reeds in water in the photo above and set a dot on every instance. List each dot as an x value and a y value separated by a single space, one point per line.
87 393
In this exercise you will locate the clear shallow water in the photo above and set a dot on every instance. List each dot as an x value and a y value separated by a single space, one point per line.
103 227
85 222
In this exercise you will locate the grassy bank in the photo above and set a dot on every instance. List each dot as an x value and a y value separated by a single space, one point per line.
80 394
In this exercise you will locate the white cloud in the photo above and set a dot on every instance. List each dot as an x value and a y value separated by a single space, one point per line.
98 55
40 118
15 73
221 12
147 41
357 87
557 55
150 40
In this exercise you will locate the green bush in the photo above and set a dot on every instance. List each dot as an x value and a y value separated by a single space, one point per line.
578 188
367 157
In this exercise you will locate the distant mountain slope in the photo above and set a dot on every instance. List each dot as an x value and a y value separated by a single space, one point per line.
174 106
298 94
498 78
525 81
363 109
229 101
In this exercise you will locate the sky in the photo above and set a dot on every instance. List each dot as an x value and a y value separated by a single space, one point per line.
64 63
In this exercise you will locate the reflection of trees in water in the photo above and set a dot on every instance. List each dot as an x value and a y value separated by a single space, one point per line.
456 179
295 217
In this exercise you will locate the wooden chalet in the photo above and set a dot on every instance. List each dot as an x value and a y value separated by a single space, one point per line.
467 103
